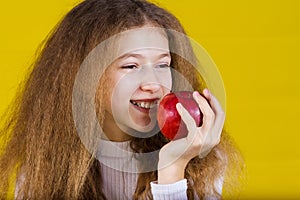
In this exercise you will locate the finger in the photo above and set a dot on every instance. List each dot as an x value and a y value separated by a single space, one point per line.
215 129
214 103
208 113
217 108
187 119
220 115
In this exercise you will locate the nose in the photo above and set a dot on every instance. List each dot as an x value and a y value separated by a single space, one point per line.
150 86
150 82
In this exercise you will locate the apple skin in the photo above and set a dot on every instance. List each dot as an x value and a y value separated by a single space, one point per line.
169 120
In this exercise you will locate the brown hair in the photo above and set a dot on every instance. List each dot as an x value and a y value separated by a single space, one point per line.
41 143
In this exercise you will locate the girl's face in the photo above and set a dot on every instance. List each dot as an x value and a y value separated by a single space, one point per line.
136 82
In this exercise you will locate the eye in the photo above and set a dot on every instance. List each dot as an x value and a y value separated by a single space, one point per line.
163 66
129 67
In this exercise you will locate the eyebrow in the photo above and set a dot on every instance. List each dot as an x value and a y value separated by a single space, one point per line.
136 55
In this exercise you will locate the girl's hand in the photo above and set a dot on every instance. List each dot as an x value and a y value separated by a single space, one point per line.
175 155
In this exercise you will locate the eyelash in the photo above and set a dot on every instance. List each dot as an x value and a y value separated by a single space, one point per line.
135 66
163 66
128 66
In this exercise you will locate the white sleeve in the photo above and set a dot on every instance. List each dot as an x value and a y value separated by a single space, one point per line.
19 181
219 185
174 191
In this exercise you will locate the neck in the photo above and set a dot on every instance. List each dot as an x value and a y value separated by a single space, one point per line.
112 131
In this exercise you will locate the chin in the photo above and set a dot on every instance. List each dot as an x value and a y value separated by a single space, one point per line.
144 131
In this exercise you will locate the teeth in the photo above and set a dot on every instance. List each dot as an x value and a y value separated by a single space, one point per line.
146 105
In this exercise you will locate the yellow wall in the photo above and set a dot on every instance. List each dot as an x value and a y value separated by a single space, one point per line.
255 44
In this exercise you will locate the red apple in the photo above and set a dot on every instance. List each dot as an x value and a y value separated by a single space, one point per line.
169 120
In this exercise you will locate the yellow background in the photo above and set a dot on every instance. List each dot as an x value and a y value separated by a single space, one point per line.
255 44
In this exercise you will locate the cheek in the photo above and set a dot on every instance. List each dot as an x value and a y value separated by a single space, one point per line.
109 86
121 90
165 80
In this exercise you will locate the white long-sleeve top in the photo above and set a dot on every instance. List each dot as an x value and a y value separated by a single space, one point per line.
119 171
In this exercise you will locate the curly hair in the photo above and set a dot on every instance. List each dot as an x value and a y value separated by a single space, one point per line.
39 135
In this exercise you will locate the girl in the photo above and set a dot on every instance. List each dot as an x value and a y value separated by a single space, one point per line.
52 139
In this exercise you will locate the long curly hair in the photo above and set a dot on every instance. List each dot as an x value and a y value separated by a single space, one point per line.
41 146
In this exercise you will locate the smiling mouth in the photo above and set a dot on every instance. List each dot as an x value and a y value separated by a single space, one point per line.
144 104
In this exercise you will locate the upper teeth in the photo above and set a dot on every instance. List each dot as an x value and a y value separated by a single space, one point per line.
144 104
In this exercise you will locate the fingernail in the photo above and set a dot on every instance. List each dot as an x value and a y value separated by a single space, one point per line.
196 93
206 92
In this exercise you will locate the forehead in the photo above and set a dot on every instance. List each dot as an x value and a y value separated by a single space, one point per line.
142 38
